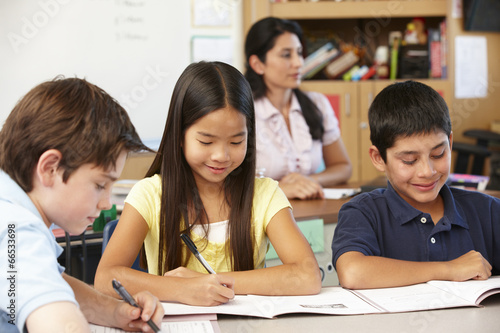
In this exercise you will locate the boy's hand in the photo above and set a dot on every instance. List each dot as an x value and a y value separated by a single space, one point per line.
471 265
131 318
298 186
204 289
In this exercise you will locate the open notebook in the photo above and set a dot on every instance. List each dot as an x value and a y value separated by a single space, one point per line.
340 301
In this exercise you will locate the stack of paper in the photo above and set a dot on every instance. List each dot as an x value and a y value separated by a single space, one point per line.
340 193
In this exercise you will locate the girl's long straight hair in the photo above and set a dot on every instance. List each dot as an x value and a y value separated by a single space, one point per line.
202 88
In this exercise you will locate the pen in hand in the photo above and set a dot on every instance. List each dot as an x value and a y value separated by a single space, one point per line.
197 254
124 294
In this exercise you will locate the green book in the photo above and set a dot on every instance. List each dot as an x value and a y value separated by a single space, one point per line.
394 59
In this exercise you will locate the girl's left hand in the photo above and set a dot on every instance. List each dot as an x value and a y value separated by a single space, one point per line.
183 272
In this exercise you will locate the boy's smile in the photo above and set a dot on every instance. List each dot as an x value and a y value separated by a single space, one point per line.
418 166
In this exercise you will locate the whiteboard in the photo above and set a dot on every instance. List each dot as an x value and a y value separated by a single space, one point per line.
133 49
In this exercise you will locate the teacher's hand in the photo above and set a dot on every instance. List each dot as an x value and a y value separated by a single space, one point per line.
298 186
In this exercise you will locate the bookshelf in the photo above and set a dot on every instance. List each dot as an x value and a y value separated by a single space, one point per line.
299 10
349 20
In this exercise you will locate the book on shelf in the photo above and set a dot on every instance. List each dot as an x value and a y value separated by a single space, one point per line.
393 73
318 60
434 53
348 75
444 50
362 71
339 301
341 64
317 54
371 72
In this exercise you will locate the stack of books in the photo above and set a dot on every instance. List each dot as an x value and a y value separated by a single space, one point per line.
341 65
317 60
467 181
438 52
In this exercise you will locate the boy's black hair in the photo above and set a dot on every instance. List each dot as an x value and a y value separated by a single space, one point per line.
404 109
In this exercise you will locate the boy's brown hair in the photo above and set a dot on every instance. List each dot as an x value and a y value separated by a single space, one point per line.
71 115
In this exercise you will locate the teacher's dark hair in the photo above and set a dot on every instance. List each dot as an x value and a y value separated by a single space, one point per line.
260 39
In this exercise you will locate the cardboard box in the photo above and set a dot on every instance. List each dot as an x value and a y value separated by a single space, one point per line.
137 165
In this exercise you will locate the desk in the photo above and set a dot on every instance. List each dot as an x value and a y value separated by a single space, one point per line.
468 319
328 210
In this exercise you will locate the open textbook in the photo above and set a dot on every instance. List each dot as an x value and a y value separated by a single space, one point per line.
205 323
340 301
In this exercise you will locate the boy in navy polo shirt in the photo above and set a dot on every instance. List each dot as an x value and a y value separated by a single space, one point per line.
418 229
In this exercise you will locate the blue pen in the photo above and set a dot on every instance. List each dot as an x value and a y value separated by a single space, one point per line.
124 294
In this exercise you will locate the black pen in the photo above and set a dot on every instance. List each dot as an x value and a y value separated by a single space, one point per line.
197 254
117 286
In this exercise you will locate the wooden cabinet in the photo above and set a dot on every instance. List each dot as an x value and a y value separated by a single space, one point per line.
372 20
345 100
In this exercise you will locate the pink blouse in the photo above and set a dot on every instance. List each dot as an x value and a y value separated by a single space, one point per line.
280 151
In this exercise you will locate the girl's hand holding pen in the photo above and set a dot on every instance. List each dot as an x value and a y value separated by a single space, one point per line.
204 289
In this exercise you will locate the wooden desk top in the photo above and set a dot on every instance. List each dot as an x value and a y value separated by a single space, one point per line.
328 210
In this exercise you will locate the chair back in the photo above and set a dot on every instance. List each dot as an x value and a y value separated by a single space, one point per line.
108 230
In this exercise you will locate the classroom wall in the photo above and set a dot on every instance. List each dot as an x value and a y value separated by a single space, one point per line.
478 113
133 49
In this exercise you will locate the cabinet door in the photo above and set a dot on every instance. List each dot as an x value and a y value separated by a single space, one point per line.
367 92
344 99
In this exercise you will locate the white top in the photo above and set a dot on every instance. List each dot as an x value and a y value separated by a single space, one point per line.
217 232
281 151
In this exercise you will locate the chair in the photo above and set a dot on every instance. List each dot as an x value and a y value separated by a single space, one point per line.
465 151
480 151
106 235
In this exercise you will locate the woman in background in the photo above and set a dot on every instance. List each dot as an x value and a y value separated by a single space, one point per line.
296 130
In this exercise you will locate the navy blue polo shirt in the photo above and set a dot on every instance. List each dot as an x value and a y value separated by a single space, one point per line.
381 223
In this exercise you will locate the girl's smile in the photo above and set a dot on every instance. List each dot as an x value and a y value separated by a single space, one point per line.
215 145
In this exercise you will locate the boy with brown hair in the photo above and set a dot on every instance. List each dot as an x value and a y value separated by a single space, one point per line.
61 148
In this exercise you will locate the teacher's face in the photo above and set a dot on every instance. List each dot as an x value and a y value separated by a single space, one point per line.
284 62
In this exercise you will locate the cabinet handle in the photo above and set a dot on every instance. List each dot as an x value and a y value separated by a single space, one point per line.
347 104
